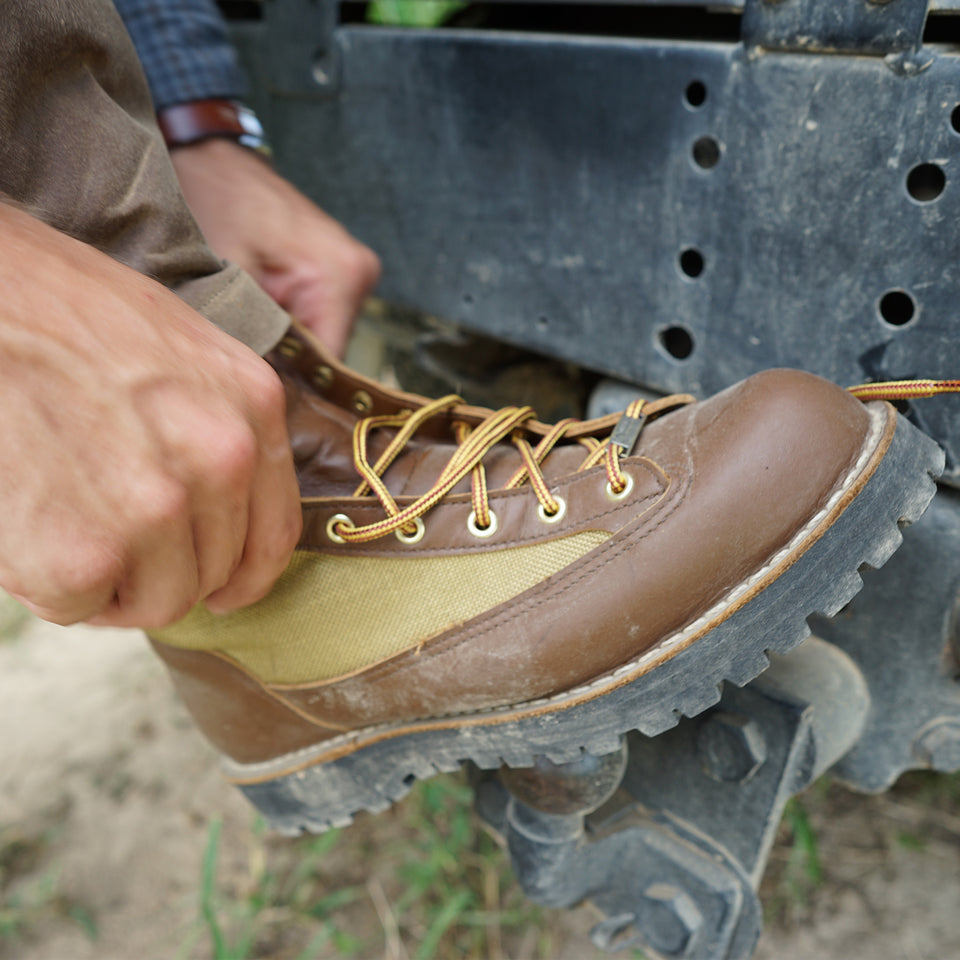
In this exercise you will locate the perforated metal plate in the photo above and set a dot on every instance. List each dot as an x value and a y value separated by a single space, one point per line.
675 213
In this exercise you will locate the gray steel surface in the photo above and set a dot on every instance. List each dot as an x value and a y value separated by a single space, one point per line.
674 213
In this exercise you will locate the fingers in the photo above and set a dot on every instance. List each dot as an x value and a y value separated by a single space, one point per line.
214 510
162 583
273 528
113 577
241 520
66 609
215 458
323 280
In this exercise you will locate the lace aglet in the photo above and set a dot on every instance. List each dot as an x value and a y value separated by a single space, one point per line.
627 431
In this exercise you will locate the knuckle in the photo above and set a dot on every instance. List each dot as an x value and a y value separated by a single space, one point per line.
265 390
232 457
85 575
161 504
262 377
363 265
61 619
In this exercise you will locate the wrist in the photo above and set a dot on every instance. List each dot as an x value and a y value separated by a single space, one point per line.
186 124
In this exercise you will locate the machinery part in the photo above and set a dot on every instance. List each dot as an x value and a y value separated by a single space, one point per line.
579 786
674 857
731 746
670 213
901 633
873 27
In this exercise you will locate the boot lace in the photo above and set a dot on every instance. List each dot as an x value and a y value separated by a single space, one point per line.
475 441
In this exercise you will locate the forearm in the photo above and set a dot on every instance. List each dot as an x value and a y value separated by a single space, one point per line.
80 149
307 262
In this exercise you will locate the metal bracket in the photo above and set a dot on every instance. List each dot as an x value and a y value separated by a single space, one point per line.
300 46
877 27
674 857
901 631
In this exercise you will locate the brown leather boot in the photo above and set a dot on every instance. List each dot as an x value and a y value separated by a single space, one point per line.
478 585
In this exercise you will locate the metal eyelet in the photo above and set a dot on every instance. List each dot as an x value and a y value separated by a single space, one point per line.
557 515
622 494
290 348
414 537
337 518
362 402
482 532
322 376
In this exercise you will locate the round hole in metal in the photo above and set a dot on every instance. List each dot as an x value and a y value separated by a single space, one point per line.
482 532
706 153
691 262
925 182
676 341
696 93
897 307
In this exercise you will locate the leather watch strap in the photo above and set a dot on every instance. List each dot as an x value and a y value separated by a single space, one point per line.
185 123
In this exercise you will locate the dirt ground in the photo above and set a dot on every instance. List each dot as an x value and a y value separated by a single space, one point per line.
107 795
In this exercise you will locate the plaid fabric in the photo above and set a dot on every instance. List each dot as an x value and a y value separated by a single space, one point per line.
184 49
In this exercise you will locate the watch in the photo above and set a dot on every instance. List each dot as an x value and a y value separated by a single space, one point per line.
185 123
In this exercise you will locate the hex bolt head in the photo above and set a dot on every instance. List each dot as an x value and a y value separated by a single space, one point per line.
668 919
580 786
938 745
732 747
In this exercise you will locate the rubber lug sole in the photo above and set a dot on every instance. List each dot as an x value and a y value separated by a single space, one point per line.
383 765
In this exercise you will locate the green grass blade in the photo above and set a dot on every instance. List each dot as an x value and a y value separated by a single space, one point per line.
208 893
316 944
804 841
441 923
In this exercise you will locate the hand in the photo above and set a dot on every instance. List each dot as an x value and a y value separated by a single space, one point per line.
303 258
144 457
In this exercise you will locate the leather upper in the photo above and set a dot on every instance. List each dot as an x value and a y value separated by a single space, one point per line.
719 488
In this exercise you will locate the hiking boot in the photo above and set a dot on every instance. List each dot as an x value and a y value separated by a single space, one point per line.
477 585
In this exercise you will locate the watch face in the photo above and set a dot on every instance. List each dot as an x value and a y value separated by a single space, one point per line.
248 120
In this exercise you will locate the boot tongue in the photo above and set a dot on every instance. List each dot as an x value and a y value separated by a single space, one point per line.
321 434
425 461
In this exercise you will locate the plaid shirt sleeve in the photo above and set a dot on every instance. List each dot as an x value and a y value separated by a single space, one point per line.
184 49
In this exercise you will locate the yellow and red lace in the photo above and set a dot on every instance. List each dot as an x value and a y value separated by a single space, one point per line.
475 441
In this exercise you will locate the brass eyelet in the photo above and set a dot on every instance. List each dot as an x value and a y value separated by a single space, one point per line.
622 494
322 376
337 518
362 402
414 537
482 532
289 347
557 515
